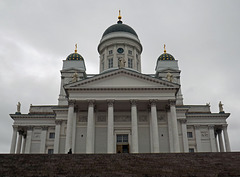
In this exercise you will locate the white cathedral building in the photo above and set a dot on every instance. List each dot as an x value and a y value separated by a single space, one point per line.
120 110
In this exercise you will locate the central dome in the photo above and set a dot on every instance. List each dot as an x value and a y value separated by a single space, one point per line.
119 27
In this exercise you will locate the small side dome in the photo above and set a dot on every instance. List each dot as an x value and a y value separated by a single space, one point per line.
165 55
75 56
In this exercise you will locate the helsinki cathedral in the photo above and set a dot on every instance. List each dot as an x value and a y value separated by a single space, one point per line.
121 109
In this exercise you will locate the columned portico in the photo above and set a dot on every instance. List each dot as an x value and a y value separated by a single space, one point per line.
154 126
134 126
57 136
69 125
110 133
174 126
90 128
226 139
19 145
14 140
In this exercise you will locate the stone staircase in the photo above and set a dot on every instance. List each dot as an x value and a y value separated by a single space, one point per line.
116 165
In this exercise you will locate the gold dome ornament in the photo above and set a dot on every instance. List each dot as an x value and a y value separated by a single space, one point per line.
119 16
75 48
165 48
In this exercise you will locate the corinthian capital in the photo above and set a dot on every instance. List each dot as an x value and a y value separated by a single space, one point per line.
133 102
110 102
172 102
153 102
71 102
91 102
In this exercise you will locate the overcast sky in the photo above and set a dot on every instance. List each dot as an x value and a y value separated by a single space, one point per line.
35 36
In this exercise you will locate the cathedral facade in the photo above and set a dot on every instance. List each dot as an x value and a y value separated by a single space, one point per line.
120 110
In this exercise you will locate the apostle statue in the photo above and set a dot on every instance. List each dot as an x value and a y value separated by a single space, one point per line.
121 62
19 107
220 107
75 77
169 77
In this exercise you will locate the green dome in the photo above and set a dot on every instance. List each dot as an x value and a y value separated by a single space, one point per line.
119 27
166 56
74 56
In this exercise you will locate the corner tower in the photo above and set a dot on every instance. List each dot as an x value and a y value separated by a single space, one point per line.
120 47
167 69
73 69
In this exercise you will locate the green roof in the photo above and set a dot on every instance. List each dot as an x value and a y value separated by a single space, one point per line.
166 56
74 56
119 27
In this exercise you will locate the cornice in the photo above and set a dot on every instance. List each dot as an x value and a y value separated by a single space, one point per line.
207 115
31 116
122 71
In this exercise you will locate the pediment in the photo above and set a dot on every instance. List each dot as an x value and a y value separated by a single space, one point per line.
122 78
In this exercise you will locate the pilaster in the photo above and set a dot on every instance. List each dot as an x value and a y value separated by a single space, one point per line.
43 139
184 135
198 138
212 138
28 140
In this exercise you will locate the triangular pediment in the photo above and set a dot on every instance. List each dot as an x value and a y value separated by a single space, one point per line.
122 78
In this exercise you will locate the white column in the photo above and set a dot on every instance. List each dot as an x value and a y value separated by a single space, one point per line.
28 140
154 126
134 126
226 139
57 136
24 143
170 131
220 140
174 126
14 140
212 138
215 135
184 135
74 131
68 144
90 128
20 132
198 138
43 140
110 136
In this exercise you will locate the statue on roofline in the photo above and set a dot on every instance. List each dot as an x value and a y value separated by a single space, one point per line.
121 62
220 107
169 77
19 107
75 77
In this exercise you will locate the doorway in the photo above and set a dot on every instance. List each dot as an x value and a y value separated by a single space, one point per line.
122 143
